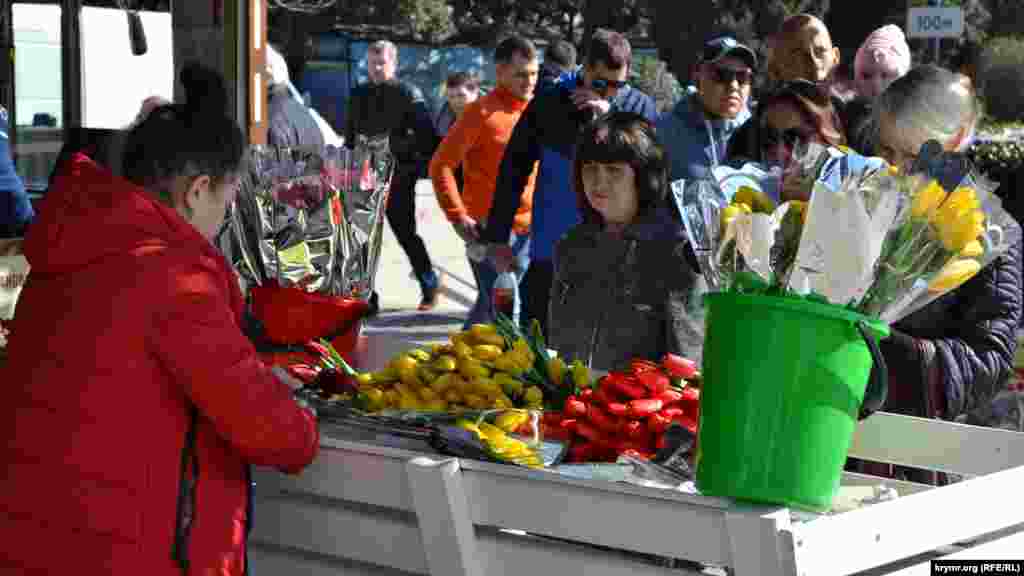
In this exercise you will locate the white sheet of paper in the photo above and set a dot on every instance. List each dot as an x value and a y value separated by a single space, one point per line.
755 236
840 245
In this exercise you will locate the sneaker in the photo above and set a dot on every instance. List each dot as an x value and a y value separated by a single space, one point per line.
430 294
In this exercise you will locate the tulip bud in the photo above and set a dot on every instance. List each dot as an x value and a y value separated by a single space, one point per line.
953 274
927 200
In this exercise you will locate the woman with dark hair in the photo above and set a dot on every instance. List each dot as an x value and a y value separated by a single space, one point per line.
797 112
132 403
624 284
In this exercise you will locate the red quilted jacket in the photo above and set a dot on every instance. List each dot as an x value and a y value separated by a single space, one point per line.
129 319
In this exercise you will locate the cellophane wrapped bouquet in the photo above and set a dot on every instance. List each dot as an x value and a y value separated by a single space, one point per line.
304 235
881 240
311 218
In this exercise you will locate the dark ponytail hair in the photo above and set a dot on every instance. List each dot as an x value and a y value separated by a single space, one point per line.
189 139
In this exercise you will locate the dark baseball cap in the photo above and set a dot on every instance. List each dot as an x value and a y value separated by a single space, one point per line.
724 46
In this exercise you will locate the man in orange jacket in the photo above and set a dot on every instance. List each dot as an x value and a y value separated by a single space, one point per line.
477 143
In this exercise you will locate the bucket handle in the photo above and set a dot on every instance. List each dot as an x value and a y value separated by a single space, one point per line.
878 381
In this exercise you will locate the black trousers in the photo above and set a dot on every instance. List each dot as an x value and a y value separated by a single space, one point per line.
536 293
401 213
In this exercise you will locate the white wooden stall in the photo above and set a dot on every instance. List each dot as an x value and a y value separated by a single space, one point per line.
368 509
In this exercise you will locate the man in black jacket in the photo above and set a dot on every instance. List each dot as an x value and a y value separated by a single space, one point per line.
385 105
547 132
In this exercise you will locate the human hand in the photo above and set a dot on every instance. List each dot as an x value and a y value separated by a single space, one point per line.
290 381
503 257
587 99
466 228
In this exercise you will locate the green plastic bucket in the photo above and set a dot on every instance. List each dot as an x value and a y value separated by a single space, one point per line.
784 384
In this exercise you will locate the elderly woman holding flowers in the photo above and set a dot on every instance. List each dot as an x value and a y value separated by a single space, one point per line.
952 358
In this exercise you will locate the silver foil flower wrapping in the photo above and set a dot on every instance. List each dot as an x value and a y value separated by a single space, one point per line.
311 218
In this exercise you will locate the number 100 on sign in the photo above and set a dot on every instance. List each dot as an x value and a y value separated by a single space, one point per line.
935 22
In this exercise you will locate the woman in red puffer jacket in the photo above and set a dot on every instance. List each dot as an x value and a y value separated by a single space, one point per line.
132 406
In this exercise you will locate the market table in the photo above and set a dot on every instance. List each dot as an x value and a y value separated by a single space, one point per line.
365 508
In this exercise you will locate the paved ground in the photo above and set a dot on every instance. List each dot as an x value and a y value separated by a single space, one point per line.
400 325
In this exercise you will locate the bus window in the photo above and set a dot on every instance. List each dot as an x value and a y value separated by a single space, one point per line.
115 81
38 91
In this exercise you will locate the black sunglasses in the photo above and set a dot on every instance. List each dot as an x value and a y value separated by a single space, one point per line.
602 85
723 75
791 137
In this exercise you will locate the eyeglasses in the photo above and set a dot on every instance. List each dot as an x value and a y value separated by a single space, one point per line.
790 137
724 75
602 85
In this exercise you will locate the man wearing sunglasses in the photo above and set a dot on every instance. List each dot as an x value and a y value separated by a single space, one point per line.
696 132
546 133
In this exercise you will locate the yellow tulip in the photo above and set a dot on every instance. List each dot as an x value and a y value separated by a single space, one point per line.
757 200
959 228
729 213
927 200
580 374
799 207
556 370
510 421
953 275
533 396
973 249
964 197
486 352
512 386
510 363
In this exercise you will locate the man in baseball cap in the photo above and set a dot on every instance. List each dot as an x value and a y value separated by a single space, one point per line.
721 47
697 131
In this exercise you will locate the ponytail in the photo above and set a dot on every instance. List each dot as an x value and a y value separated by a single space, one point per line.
188 139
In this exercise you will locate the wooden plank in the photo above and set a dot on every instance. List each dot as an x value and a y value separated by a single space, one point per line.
443 516
936 444
363 534
258 120
548 476
887 532
605 516
351 472
266 559
1007 548
500 554
902 488
756 543
504 554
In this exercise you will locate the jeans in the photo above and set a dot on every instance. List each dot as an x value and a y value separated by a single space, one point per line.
486 275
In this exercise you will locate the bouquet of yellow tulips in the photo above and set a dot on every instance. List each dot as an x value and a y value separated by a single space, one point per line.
872 238
742 239
951 227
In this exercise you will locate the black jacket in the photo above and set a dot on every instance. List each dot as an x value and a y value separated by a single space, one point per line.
960 347
636 296
399 110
